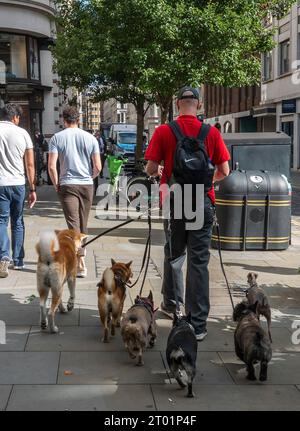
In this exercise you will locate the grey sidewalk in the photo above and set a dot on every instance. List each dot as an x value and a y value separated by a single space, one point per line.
75 371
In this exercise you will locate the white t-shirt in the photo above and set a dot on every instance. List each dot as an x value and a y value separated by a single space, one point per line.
14 141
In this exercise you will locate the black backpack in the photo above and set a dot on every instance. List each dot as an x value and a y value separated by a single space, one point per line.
191 162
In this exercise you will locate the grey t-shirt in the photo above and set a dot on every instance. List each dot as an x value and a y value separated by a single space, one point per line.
14 141
75 147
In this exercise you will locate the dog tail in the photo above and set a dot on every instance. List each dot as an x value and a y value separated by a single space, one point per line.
48 244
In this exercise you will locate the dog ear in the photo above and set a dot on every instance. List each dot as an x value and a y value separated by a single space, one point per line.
83 236
113 262
175 319
150 296
255 275
57 232
128 265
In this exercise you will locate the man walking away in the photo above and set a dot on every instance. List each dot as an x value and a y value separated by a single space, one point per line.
16 151
196 242
79 159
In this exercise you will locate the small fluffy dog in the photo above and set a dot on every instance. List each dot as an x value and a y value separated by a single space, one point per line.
251 342
181 352
256 294
138 328
57 264
112 294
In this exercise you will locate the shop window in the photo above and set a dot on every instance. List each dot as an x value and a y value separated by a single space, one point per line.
13 54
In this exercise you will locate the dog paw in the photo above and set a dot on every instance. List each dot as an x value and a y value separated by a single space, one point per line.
190 395
251 378
44 325
70 305
54 330
263 379
62 310
104 340
140 364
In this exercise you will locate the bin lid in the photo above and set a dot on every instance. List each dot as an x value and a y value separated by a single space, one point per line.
254 183
257 138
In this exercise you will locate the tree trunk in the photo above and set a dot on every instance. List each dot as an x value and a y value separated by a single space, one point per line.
140 128
164 115
164 104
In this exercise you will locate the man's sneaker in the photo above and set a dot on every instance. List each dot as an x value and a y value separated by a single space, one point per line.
4 264
171 310
19 267
82 273
200 337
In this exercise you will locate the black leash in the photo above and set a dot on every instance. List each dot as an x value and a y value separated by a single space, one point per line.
217 226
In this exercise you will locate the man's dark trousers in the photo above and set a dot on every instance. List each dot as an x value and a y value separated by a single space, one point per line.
196 244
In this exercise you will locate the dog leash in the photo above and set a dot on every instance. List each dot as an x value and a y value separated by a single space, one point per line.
217 226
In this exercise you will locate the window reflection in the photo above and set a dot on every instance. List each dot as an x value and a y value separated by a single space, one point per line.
13 54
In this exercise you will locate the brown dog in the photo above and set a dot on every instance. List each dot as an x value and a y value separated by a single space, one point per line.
57 264
111 295
256 294
137 326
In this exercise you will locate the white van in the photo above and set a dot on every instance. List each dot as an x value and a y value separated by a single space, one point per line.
115 128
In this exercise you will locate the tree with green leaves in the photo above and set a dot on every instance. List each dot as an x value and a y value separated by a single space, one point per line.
144 50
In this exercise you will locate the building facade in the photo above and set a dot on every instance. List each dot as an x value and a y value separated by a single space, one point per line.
232 108
280 90
27 31
274 106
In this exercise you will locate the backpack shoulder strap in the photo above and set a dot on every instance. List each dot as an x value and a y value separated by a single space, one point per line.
204 131
174 126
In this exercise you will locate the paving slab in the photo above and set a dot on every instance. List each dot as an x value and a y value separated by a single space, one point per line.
5 391
81 398
28 368
70 338
110 368
283 369
227 398
16 338
29 316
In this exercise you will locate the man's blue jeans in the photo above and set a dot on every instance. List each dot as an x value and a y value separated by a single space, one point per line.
12 200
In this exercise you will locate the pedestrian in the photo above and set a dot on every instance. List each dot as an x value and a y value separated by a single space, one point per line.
16 156
195 242
79 160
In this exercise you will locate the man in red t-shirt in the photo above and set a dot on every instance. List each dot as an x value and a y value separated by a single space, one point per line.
195 242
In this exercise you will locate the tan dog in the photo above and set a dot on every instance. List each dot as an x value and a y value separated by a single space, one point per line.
57 264
138 328
256 294
112 294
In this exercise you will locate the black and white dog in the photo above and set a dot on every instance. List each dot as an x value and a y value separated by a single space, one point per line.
182 352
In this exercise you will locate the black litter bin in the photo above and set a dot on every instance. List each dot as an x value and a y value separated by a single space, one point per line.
254 211
260 151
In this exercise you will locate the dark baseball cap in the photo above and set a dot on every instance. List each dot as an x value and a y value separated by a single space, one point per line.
184 93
